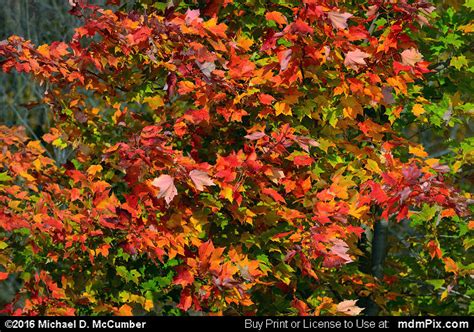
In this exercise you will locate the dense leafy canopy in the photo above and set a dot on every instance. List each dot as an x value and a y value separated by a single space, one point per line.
232 157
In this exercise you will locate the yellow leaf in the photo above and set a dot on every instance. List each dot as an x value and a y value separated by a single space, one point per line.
44 50
26 176
116 116
418 151
244 43
457 165
418 110
198 222
348 112
373 166
432 162
468 28
249 216
444 294
94 169
339 90
282 108
148 305
35 145
154 102
357 212
324 144
398 83
226 193
37 164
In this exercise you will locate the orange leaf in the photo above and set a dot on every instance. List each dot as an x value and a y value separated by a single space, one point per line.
183 277
418 110
94 169
417 151
186 300
450 265
125 310
265 99
277 17
273 194
216 29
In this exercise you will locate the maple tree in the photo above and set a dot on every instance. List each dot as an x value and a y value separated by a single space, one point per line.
223 166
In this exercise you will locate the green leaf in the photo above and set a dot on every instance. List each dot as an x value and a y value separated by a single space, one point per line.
458 62
380 22
284 42
436 283
469 4
59 143
5 177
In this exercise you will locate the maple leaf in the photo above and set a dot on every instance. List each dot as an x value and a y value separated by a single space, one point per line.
411 56
418 110
3 276
205 250
186 300
200 179
52 136
265 99
273 194
94 169
192 16
277 17
206 68
418 151
282 108
59 49
141 35
284 57
125 310
303 160
183 277
340 249
300 306
434 250
300 26
217 29
450 265
240 67
167 188
255 135
339 20
355 58
197 116
349 307
154 102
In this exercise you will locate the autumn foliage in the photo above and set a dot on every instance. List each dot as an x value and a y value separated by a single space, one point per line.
224 158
